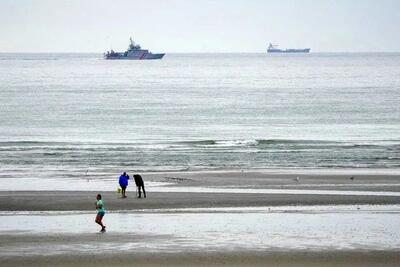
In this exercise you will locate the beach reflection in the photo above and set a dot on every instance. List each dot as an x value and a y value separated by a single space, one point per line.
222 229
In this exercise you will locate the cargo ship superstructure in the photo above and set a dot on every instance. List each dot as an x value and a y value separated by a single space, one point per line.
273 49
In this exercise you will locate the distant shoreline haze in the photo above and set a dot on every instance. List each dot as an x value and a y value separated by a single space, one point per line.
205 53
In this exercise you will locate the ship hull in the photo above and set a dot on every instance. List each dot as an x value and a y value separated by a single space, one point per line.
121 56
306 50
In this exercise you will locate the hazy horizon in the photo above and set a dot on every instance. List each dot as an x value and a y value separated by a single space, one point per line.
177 26
210 53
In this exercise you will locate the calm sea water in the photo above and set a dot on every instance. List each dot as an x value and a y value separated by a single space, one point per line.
62 114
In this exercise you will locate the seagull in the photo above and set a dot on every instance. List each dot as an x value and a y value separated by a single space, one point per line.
297 179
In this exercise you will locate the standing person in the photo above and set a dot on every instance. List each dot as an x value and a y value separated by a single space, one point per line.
123 182
140 184
100 213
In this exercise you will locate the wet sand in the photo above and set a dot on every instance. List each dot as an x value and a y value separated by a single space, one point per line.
160 198
61 200
283 228
362 179
281 259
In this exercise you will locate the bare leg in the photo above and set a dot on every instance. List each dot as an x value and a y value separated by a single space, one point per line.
99 222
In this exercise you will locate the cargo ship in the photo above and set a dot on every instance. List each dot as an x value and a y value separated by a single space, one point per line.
134 52
273 49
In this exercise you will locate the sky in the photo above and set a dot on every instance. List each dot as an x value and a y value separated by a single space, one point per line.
190 26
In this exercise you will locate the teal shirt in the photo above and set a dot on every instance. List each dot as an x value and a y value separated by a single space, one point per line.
100 206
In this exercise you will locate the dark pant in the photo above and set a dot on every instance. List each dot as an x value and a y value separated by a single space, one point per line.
123 187
140 192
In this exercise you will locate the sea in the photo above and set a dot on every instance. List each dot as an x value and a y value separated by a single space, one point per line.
67 115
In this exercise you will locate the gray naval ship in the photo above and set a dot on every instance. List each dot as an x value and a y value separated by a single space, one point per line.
273 49
134 52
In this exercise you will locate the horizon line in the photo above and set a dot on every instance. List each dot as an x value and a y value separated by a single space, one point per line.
211 52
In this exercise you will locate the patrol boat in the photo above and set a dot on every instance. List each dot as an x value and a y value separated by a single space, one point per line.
273 49
134 52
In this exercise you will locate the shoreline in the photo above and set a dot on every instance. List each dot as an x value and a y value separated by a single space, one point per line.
355 180
204 190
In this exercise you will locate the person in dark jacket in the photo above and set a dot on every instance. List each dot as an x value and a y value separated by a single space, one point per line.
140 184
123 182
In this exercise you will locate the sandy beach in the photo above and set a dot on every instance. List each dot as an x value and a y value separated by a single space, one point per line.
214 189
267 133
170 226
64 200
288 259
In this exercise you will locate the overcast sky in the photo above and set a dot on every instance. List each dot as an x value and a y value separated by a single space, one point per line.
199 25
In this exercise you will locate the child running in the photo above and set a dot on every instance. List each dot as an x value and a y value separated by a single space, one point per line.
100 213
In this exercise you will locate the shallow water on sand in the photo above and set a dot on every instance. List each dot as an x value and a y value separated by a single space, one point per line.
257 229
34 184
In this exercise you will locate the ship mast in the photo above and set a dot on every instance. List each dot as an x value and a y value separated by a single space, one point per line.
132 43
271 46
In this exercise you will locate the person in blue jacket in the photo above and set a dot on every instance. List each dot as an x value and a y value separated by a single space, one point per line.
123 182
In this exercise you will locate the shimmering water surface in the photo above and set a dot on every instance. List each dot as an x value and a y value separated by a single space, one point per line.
63 114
